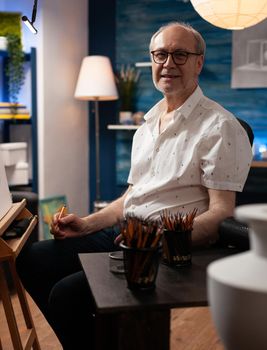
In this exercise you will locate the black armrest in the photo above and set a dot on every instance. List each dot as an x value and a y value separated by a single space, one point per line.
233 233
31 199
31 205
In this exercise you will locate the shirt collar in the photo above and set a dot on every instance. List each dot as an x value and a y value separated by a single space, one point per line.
185 110
152 117
188 106
154 111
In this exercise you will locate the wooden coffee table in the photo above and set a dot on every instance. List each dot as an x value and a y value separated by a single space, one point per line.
127 320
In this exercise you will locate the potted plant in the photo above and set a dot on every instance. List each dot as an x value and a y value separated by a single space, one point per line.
127 80
10 28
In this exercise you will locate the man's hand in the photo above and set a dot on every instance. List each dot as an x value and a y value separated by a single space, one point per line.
68 226
72 225
118 239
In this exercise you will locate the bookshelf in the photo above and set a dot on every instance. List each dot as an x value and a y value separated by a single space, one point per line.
7 123
259 164
122 127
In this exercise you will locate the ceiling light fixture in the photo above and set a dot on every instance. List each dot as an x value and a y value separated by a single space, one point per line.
232 14
29 23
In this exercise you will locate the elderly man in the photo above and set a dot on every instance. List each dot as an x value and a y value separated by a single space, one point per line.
190 153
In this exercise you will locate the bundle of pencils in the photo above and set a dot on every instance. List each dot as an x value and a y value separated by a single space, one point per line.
177 237
179 221
140 233
141 256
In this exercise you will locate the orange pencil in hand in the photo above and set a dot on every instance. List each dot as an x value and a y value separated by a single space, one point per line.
63 212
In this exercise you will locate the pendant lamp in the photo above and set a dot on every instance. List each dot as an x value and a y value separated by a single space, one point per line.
231 14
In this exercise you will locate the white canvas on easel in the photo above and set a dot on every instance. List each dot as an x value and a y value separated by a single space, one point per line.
5 196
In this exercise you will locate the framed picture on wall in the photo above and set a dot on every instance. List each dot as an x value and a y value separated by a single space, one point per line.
249 57
48 207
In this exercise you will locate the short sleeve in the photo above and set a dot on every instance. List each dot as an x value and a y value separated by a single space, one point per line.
130 180
226 156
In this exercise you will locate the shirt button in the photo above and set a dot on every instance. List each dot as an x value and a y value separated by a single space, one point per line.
157 149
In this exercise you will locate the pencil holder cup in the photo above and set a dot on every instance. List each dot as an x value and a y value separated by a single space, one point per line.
141 266
177 248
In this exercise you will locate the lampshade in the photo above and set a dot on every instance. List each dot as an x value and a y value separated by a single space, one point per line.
232 14
96 80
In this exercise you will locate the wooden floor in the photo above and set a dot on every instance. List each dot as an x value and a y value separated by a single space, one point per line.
191 329
46 336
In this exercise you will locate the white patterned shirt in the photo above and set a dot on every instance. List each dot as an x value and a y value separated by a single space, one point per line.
204 146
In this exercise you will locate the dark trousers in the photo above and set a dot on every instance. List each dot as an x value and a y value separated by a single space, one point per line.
51 273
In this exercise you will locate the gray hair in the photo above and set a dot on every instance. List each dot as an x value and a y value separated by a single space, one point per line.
200 42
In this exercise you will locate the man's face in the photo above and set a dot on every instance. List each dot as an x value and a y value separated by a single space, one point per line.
172 79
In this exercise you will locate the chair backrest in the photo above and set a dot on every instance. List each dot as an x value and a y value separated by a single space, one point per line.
244 197
248 130
232 232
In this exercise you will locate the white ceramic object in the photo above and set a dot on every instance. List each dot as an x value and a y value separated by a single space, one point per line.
237 287
18 174
13 152
126 117
3 43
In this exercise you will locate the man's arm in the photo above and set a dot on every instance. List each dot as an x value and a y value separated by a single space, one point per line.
221 205
73 226
108 216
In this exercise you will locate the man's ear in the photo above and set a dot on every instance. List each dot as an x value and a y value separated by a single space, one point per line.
200 63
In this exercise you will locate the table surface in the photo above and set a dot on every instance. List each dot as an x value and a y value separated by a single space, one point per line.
183 287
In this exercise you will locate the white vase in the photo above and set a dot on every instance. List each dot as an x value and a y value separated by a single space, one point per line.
126 117
237 287
3 43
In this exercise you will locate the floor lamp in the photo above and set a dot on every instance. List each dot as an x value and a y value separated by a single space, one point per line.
96 83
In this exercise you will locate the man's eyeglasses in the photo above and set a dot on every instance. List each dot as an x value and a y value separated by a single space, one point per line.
179 57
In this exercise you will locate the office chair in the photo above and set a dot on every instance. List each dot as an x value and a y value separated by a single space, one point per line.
232 232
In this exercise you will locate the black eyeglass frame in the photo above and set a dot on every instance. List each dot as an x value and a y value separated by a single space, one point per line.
172 53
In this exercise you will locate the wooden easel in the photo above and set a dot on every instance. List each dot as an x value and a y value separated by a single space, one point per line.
9 250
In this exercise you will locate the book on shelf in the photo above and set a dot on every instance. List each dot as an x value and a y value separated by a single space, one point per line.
10 110
15 116
10 104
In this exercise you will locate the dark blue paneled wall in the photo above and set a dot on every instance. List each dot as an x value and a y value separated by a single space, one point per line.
137 20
